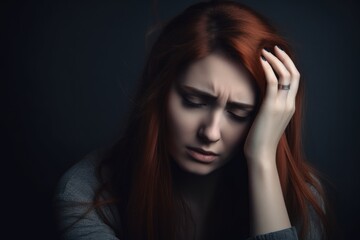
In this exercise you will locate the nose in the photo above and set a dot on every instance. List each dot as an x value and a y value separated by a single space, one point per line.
209 131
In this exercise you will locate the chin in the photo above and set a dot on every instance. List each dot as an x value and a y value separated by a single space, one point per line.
203 171
197 168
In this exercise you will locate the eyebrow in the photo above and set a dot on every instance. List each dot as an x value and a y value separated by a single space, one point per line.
211 97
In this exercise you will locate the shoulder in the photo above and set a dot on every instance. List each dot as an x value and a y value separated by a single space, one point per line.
79 183
75 216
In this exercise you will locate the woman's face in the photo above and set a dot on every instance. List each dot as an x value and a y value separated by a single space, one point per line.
209 109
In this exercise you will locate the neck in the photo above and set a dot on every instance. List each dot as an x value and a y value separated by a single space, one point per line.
196 188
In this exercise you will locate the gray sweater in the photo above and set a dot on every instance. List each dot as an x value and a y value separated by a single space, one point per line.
79 184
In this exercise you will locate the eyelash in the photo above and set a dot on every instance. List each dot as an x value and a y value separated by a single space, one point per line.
188 103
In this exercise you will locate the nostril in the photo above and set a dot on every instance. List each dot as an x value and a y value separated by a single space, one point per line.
206 136
209 131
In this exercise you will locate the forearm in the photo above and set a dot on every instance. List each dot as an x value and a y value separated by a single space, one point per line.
268 209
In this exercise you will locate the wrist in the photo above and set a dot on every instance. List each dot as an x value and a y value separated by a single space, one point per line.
263 162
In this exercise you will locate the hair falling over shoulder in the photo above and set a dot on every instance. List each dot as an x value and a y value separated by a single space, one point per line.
140 176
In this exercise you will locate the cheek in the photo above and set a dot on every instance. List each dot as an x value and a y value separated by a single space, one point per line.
235 135
182 122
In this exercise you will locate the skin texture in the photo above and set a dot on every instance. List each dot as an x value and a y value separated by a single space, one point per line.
210 127
277 108
268 207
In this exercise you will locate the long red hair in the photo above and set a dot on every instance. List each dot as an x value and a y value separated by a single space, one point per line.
140 179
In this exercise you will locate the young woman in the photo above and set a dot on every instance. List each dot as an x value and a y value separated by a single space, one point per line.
212 147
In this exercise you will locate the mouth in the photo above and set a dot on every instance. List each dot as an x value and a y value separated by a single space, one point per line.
202 151
201 155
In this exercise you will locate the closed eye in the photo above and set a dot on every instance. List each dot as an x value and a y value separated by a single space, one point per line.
189 103
239 118
193 104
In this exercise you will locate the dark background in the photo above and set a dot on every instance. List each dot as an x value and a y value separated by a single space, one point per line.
69 67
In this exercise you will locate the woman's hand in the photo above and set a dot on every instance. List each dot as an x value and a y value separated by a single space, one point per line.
268 209
276 110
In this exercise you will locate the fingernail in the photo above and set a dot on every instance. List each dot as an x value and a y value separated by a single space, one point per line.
263 58
280 48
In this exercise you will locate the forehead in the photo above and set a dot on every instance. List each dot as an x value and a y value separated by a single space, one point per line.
221 76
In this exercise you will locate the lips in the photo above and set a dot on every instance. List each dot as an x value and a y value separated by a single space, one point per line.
201 155
199 150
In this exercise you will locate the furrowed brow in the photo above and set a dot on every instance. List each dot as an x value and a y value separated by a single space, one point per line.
198 92
232 105
239 105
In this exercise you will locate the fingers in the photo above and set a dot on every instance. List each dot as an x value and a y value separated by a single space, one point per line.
272 82
289 64
282 72
283 66
278 66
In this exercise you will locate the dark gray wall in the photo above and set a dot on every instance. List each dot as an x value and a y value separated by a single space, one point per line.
69 68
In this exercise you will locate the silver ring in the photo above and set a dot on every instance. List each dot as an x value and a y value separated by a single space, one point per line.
284 87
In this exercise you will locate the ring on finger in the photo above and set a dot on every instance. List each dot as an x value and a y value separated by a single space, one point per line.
284 87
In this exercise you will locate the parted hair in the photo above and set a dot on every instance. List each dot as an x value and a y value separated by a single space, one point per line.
139 177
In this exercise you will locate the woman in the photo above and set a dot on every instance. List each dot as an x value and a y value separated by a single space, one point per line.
212 148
